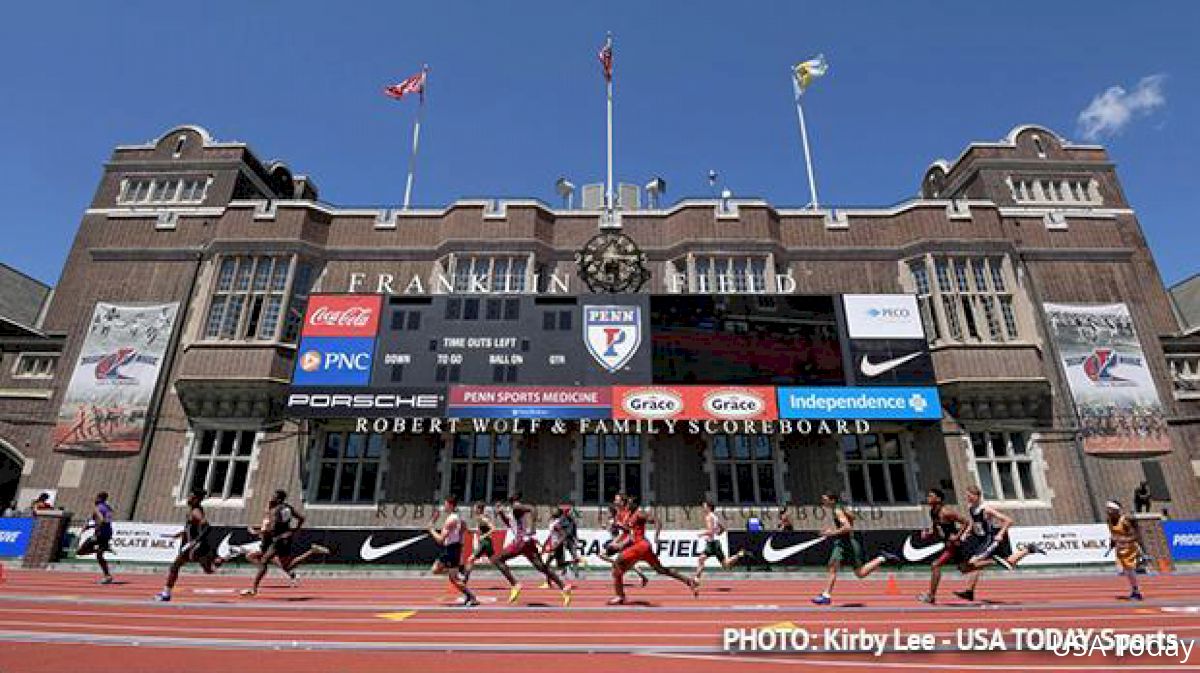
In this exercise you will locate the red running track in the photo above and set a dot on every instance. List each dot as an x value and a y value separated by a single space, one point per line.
52 621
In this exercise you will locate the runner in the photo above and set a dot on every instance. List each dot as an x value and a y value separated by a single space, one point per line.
714 528
640 549
451 539
278 539
196 546
1126 539
482 546
947 526
101 541
562 538
989 527
519 521
846 547
618 535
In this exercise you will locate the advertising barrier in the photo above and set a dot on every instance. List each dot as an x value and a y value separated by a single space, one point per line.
1064 545
809 548
14 536
1184 539
143 542
898 403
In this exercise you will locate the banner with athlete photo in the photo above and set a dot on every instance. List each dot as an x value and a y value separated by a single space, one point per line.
1064 545
105 406
1115 397
142 542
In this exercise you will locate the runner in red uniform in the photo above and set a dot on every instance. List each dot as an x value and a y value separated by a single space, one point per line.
640 549
523 542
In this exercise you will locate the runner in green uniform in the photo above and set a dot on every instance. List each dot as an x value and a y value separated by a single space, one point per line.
846 547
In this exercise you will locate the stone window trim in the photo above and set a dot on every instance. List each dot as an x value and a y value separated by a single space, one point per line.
470 272
717 272
777 461
187 451
973 299
291 298
446 464
1081 190
1039 467
908 461
313 468
580 460
162 189
35 365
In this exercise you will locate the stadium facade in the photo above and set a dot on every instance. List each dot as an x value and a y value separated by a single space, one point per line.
218 325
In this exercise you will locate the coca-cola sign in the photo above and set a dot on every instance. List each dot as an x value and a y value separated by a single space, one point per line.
343 315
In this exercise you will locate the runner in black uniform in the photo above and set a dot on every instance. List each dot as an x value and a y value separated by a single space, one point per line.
196 545
948 526
278 542
982 540
482 546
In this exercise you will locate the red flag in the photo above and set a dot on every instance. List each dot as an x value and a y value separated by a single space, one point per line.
605 57
414 84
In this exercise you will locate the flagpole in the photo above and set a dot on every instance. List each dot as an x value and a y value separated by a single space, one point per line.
812 183
609 204
412 158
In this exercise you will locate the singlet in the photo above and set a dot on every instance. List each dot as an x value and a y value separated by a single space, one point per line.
281 520
558 531
637 525
846 515
717 526
485 526
614 521
517 526
981 525
454 530
942 529
105 521
567 523
1123 532
194 530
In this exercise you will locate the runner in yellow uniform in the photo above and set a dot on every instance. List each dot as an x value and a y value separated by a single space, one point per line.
1126 544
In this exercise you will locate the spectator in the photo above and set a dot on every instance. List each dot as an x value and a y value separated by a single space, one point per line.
41 503
1141 498
754 525
11 510
785 519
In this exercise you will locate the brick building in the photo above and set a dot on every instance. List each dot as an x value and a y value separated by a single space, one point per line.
239 244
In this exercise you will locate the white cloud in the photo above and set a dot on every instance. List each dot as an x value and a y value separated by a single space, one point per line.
1111 111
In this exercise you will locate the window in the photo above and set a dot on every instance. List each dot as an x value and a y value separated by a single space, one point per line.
221 462
488 274
734 274
876 469
611 464
1058 190
1004 463
35 365
248 298
163 190
744 469
970 302
480 467
349 468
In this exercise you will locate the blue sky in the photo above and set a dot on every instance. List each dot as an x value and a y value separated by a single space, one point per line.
516 97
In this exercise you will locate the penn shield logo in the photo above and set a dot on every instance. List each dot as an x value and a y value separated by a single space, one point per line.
613 334
652 403
734 404
1099 366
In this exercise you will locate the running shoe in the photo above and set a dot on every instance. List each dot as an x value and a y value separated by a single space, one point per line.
566 598
966 594
890 557
1003 562
163 596
321 549
293 580
695 587
514 593
470 602
247 592
544 585
926 598
616 600
822 600
1135 595
105 580
645 580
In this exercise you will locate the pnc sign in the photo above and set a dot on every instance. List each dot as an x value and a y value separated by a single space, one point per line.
333 361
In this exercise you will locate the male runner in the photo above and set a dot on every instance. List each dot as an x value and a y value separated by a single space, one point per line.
1126 539
981 542
560 540
714 528
519 521
640 549
196 546
101 541
846 547
618 535
451 539
948 526
482 546
278 538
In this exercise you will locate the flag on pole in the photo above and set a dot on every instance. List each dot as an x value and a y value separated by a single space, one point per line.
606 58
809 70
414 84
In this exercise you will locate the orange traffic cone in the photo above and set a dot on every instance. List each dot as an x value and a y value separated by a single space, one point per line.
891 588
1164 566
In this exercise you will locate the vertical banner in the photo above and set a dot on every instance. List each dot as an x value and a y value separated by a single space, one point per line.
113 381
1118 405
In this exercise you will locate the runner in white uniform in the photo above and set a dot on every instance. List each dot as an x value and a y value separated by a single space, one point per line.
449 563
523 543
714 528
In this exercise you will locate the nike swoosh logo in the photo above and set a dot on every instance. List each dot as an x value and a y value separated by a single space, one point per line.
772 555
370 553
876 368
912 553
225 550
